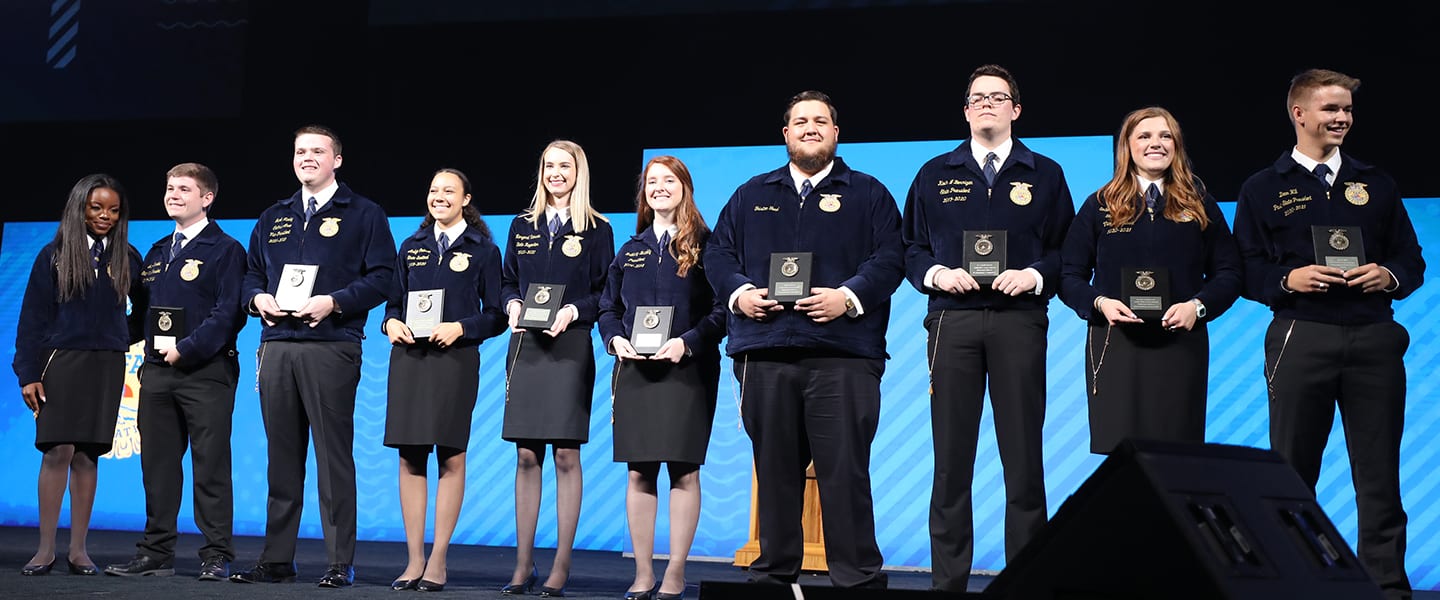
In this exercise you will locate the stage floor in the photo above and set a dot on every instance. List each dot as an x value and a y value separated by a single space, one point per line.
474 571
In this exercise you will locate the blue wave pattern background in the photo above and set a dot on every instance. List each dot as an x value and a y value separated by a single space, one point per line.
902 458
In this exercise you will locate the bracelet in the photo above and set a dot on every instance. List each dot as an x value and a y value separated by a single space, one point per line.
1098 300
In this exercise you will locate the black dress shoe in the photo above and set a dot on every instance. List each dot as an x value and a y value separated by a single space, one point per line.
30 570
338 576
88 570
549 592
266 573
215 568
659 595
401 585
524 587
426 585
641 595
142 566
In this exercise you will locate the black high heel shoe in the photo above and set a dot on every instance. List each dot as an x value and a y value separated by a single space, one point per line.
659 595
524 587
549 592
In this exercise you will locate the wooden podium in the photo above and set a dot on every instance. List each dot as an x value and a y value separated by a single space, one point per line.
810 521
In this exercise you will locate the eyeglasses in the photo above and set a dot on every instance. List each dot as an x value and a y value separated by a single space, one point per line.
994 98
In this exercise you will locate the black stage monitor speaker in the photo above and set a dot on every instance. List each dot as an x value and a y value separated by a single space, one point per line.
1174 520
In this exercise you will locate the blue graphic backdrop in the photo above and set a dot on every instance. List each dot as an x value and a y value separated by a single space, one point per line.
902 465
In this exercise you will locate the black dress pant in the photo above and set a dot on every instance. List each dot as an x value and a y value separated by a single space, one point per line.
1313 367
799 406
309 387
966 347
178 409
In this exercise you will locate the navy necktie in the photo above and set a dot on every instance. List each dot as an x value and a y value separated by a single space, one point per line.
97 247
310 210
1322 170
805 189
989 169
1152 194
444 242
175 247
554 226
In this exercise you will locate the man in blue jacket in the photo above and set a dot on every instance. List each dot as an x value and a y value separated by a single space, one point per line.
309 360
810 372
187 386
991 198
1334 339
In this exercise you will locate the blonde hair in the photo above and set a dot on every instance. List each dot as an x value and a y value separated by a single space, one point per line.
582 215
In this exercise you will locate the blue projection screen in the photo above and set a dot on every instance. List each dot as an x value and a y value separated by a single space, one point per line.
902 463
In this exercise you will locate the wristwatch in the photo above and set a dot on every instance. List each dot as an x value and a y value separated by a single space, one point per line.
850 308
1199 308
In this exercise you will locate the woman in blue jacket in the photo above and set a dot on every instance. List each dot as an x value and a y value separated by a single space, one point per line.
664 403
70 348
550 374
448 287
1150 235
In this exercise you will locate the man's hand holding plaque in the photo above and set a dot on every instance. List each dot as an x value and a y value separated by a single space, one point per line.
297 283
789 276
167 326
985 252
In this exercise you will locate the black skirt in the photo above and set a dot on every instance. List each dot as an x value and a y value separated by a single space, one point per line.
549 385
1151 384
664 410
431 396
82 400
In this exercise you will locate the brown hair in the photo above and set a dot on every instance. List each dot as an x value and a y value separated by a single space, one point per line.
1312 79
1184 198
322 130
685 246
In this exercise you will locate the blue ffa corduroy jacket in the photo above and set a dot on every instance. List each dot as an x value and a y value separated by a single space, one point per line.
204 279
1201 264
94 321
857 245
531 257
469 272
1276 209
1030 201
644 275
350 241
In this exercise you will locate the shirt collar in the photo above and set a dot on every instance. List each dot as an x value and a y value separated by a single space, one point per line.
454 232
1145 184
193 230
551 212
322 197
1309 163
799 178
1002 152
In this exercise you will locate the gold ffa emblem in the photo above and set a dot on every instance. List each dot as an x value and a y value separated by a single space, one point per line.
1020 193
330 227
191 270
571 247
459 261
542 295
164 322
652 319
790 268
830 202
1338 239
1356 194
983 245
1145 281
